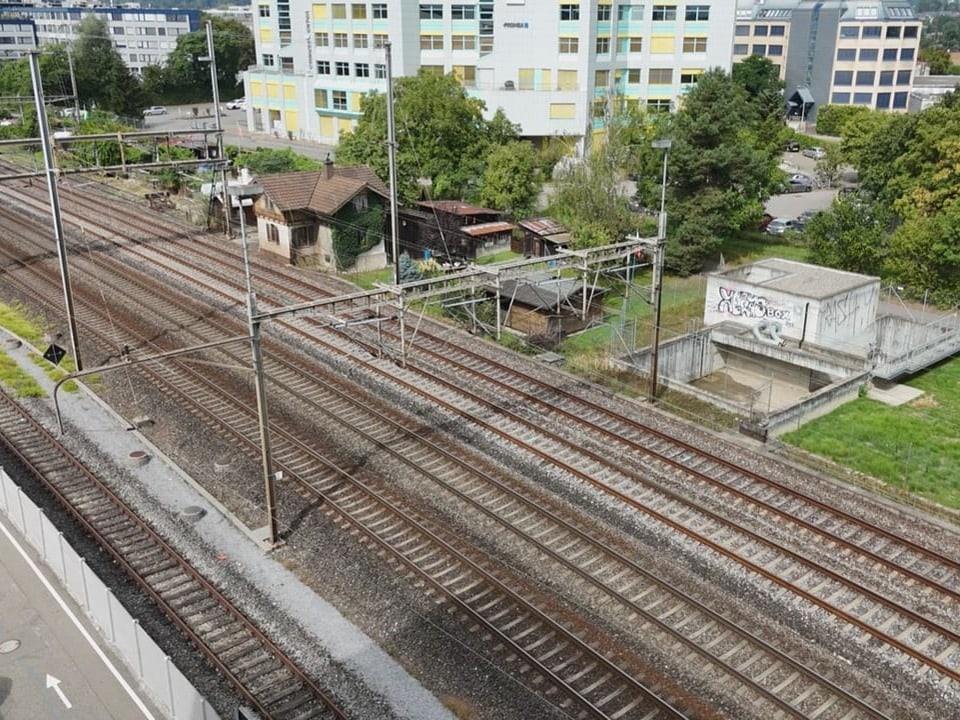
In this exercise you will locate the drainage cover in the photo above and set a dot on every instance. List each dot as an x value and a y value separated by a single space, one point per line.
8 646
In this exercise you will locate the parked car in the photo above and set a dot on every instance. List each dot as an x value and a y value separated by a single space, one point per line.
237 104
798 182
765 220
817 153
781 225
155 110
793 146
805 217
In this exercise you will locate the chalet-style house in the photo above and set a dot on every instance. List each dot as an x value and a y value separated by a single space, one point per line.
335 218
451 231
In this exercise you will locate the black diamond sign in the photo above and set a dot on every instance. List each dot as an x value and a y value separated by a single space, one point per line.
54 354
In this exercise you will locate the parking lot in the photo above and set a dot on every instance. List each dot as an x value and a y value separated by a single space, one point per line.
792 204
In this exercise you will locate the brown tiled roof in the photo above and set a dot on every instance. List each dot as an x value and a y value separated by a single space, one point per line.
311 190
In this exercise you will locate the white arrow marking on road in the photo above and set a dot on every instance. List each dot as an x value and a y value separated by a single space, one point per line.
52 682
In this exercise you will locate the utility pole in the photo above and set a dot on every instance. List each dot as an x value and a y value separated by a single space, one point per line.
657 290
54 203
73 87
392 157
216 110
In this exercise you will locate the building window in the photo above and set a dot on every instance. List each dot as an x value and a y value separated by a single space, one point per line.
361 41
634 76
910 32
463 42
339 99
629 13
698 12
849 31
358 11
263 10
871 31
694 44
688 78
883 101
380 40
431 12
569 12
660 76
267 60
603 13
361 70
862 98
903 78
630 44
338 11
889 54
740 49
486 45
742 31
869 54
893 31
758 50
323 67
379 11
886 78
286 63
866 77
777 30
658 106
906 54
321 39
601 78
569 45
463 12
843 77
664 13
342 69
380 71
340 40
431 42
320 99
273 234
760 30
840 98
775 50
899 100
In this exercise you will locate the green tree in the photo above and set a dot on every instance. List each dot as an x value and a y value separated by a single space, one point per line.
938 59
509 182
851 236
442 139
103 80
718 177
265 161
187 77
925 255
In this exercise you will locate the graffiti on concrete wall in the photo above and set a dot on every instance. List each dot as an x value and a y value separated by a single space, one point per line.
848 312
746 304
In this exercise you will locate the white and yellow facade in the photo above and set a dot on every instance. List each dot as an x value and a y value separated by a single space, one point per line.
554 67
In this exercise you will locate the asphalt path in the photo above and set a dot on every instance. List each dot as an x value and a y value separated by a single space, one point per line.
235 129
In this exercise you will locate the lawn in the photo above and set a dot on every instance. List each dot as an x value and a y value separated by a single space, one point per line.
914 447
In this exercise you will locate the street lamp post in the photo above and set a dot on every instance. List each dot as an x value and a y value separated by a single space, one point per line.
657 289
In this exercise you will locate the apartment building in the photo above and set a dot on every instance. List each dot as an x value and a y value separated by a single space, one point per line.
142 36
856 52
554 67
17 37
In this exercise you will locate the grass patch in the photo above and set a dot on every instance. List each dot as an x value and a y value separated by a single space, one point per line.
17 319
913 448
368 280
16 381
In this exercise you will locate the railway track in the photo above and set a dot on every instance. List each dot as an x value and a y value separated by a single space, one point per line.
260 672
514 426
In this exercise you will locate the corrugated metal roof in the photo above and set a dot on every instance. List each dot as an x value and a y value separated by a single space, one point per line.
455 207
542 226
487 228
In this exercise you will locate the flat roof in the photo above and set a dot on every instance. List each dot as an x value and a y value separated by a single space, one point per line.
797 278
